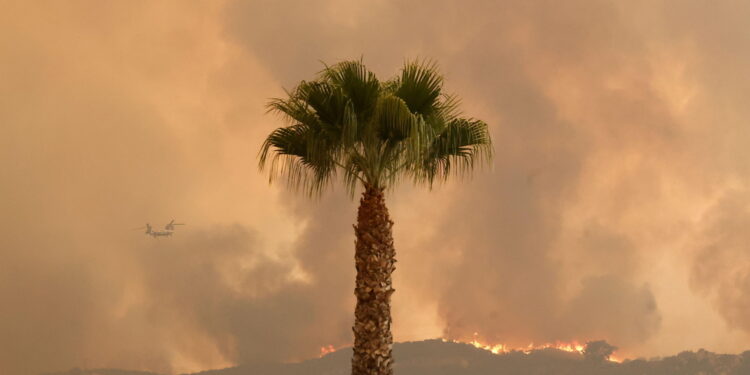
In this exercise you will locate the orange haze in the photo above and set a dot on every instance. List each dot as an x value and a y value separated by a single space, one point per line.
617 207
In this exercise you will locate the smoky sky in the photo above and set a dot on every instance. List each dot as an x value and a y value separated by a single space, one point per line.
616 206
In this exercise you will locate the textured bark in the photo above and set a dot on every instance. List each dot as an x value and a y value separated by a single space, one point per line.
375 261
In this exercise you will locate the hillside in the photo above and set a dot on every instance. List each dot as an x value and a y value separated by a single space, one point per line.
435 357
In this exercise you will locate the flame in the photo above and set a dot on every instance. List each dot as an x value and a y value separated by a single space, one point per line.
326 350
571 347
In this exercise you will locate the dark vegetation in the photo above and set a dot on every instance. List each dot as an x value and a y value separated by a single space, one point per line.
435 357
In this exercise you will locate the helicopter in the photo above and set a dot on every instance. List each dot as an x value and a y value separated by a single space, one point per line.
171 224
167 232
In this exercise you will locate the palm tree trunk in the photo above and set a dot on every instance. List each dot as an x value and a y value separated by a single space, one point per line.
374 258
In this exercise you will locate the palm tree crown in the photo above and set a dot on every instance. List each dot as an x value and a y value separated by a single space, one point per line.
374 132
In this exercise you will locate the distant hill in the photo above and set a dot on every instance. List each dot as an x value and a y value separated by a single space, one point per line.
435 357
102 372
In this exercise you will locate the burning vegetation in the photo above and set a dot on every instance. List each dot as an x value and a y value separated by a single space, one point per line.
592 350
445 357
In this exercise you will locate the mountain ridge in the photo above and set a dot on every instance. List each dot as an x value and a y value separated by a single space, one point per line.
437 357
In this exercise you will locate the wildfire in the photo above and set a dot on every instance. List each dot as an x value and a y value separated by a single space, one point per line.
571 347
326 350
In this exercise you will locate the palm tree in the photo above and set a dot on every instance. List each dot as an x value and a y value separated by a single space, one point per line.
374 133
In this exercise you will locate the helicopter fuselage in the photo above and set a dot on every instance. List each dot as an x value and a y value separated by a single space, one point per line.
160 234
169 229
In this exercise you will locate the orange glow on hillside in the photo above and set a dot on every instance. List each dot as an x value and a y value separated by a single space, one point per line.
571 347
326 349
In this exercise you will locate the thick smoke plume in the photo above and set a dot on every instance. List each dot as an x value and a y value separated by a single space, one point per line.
616 207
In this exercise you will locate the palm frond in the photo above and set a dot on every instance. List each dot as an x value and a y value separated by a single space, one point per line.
420 86
293 109
300 154
358 84
394 119
456 149
326 100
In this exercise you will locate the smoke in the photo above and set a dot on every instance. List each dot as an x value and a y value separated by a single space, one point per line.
721 267
115 115
605 158
614 208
